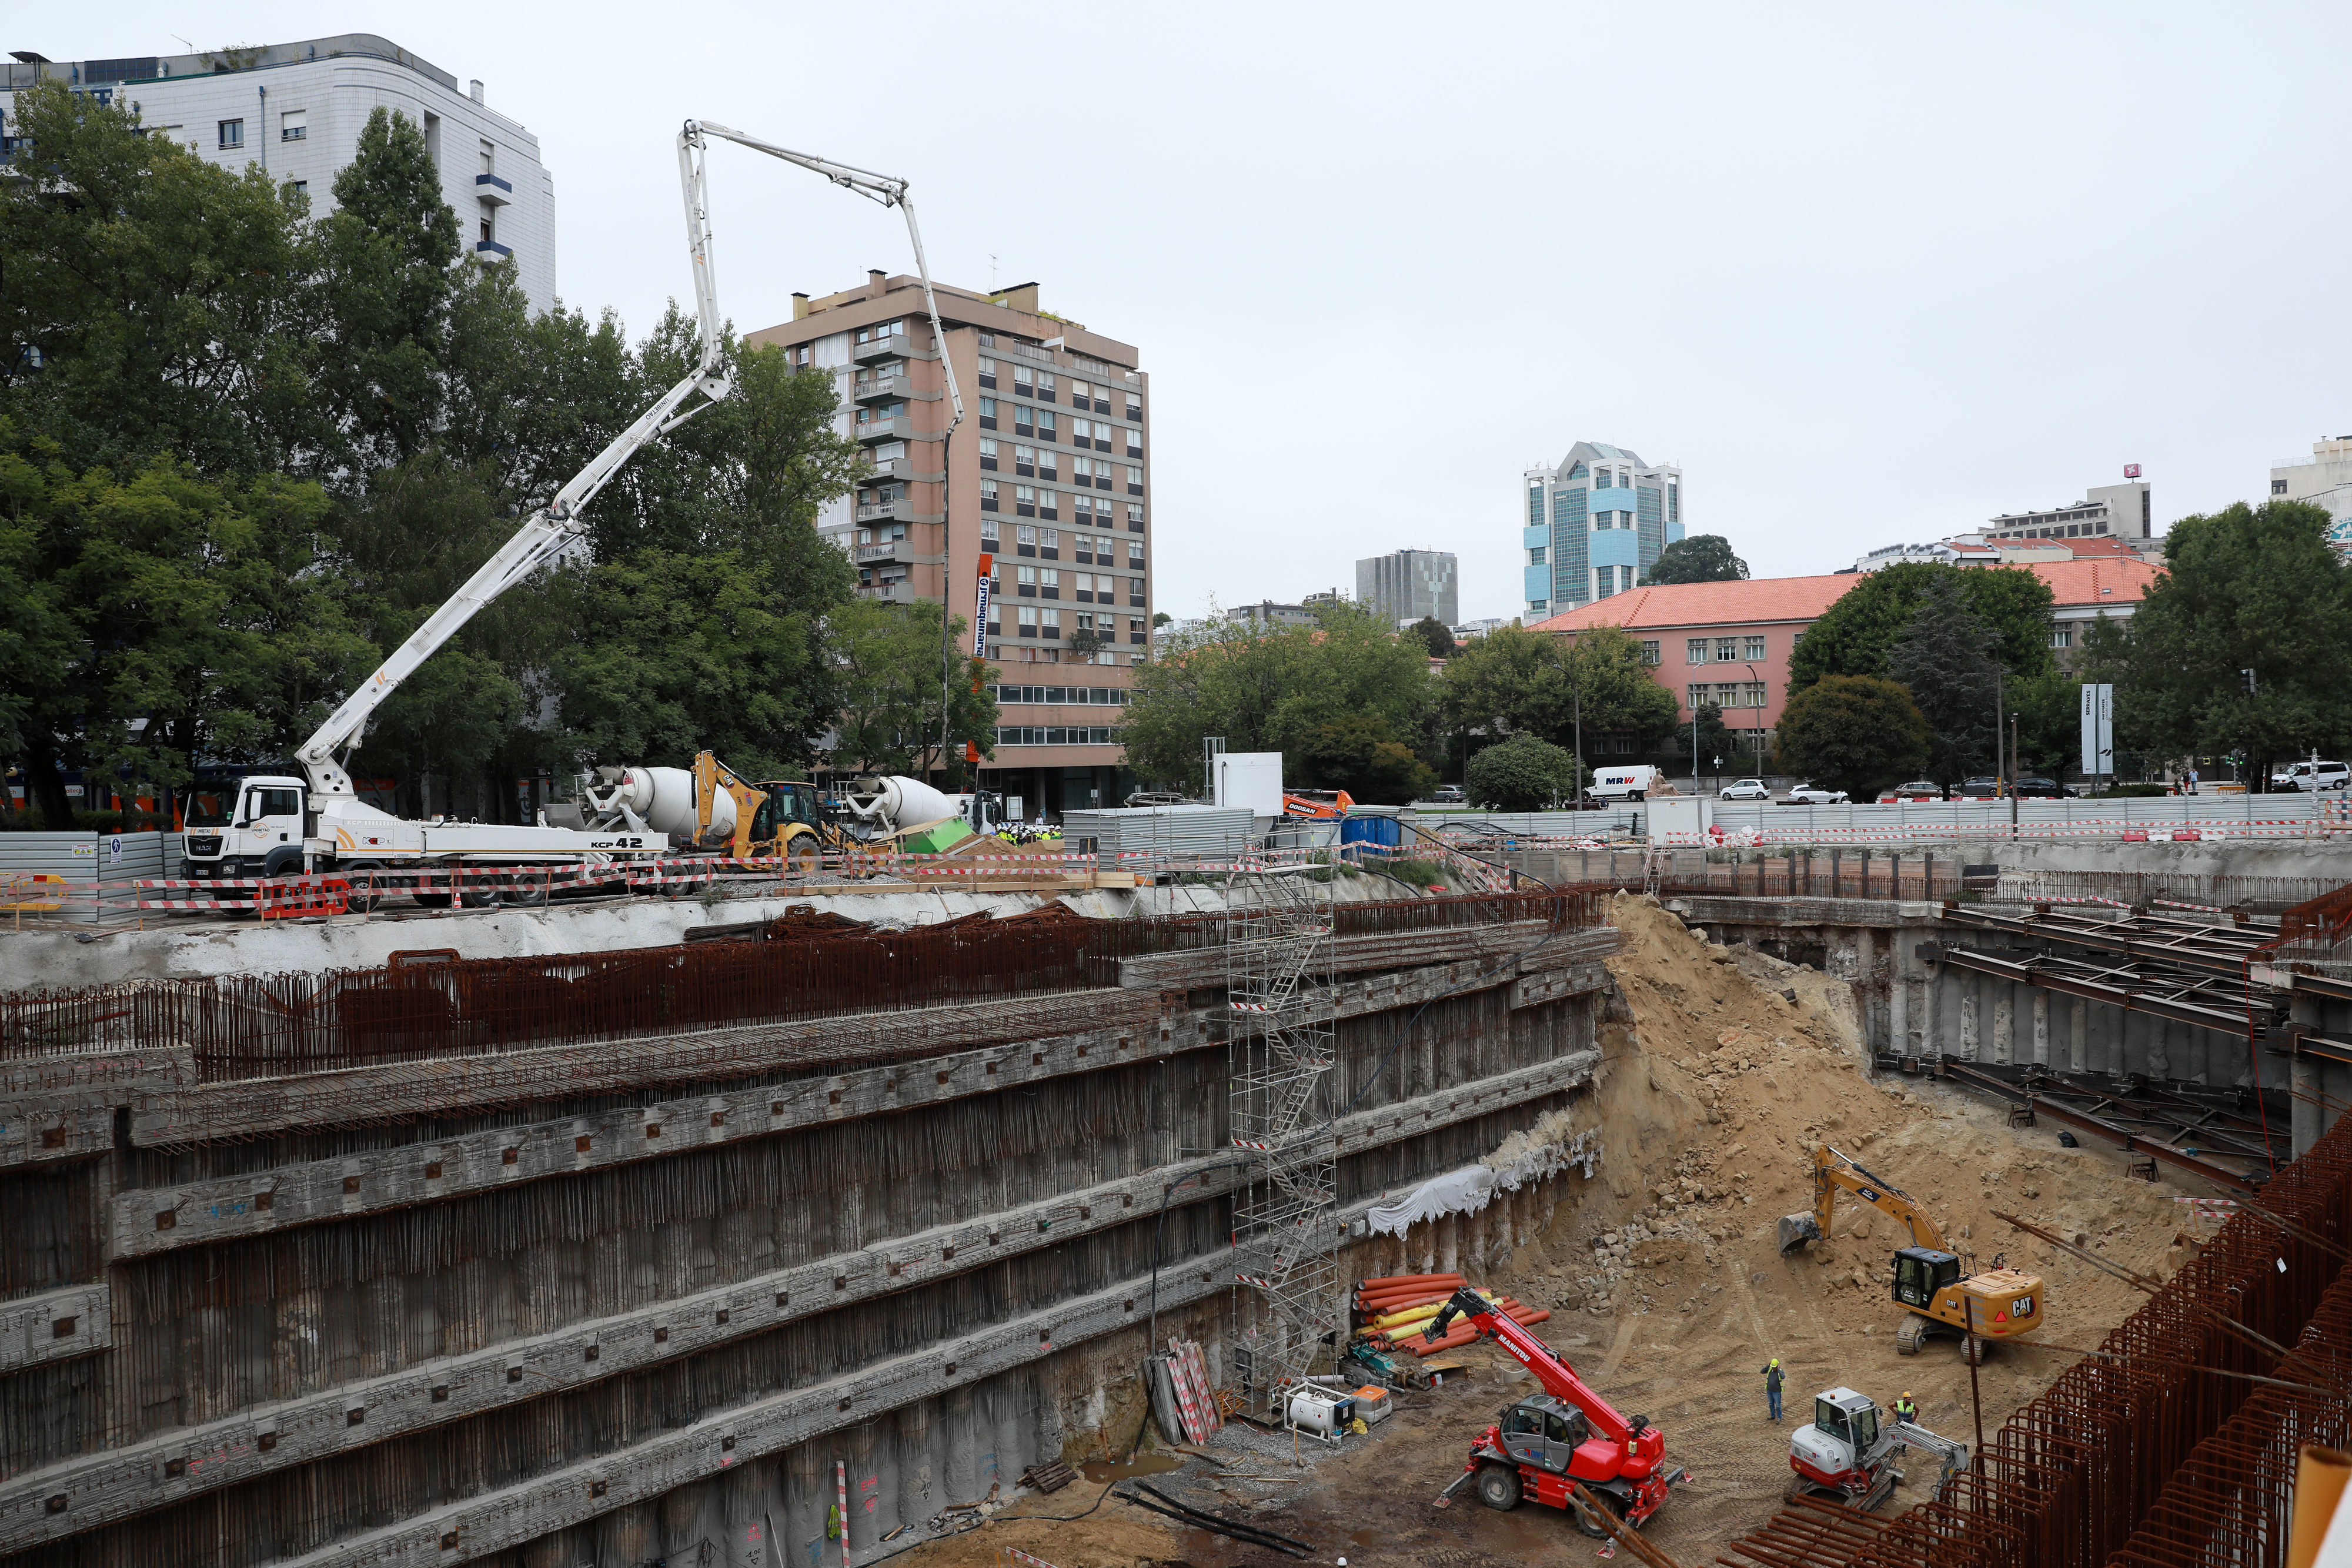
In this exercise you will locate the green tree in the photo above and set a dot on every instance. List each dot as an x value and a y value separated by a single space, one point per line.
1435 633
1515 681
1719 746
1361 754
1856 733
2049 714
1522 774
1945 660
385 282
887 656
173 620
2250 588
151 303
1856 635
1701 558
1264 689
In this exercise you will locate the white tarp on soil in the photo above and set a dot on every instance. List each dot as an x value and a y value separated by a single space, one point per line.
1545 1149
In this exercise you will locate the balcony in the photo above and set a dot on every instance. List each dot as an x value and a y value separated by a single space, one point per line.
490 251
888 592
898 429
901 510
896 346
896 550
493 191
900 468
882 389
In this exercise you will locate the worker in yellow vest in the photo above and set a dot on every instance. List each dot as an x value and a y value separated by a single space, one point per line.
1907 1410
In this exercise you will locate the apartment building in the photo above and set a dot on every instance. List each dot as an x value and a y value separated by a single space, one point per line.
1048 479
1406 585
2325 481
296 110
1594 525
1270 615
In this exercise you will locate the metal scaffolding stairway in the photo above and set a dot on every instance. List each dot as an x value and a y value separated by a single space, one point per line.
1279 967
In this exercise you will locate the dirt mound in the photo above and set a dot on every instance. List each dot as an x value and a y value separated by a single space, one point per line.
1722 1067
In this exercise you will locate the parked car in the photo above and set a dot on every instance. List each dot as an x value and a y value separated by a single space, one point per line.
1745 789
1984 787
2029 788
1917 789
2314 776
1812 794
1450 794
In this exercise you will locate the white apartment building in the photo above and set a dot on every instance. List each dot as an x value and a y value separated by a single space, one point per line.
2325 481
296 110
2123 511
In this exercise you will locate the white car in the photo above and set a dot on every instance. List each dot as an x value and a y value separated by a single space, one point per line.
1809 794
1745 789
2313 776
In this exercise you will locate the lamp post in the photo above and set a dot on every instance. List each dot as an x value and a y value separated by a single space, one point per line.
1759 727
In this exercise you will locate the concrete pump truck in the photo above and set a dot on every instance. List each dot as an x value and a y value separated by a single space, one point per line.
282 825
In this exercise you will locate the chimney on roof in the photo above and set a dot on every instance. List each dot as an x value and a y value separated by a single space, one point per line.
875 278
474 90
799 306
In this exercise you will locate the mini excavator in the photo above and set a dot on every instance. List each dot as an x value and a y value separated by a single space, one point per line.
1980 1309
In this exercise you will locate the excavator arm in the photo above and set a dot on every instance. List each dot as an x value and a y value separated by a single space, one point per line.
1834 1170
1551 1369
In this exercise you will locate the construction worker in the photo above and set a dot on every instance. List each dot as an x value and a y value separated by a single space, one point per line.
1772 1385
1907 1410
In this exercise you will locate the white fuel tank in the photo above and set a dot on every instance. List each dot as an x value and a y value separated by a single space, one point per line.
898 801
664 797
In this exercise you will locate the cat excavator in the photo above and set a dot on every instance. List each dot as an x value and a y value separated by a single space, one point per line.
1979 1309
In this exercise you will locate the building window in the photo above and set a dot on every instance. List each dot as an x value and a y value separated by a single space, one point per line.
1049 541
1082 432
1024 500
1020 377
988 414
1049 622
2278 488
1079 393
988 452
1536 556
1025 581
231 135
1674 502
1045 387
1135 444
302 190
1046 417
1135 629
988 495
1135 407
1754 647
1028 621
1134 481
294 126
490 156
1699 695
1049 502
1134 519
2062 636
1649 653
987 371
1726 650
1694 651
1024 460
988 532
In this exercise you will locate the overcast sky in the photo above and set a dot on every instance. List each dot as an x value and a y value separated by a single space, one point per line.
1867 273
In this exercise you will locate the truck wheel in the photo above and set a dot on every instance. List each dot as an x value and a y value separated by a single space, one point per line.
362 901
1498 1487
1598 1500
431 900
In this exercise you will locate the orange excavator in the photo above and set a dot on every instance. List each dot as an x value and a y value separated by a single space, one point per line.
1567 1433
1320 805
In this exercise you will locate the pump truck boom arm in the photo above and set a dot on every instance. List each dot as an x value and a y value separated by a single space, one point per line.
1551 1369
553 530
1832 1170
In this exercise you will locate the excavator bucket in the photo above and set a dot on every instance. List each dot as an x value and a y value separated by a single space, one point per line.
1796 1230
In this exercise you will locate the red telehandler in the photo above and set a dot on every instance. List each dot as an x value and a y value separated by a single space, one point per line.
1566 1433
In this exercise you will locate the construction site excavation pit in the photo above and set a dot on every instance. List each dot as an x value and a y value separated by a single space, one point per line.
682 1252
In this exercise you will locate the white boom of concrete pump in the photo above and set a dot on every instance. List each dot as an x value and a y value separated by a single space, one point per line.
276 825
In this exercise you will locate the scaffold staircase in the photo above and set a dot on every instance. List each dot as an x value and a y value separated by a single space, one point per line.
1279 967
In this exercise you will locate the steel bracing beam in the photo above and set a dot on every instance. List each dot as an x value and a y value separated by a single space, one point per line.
2182 998
2125 1122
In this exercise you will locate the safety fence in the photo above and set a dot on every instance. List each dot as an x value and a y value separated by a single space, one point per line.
810 964
2164 1446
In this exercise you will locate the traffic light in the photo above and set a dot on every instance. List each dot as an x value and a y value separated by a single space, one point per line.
2246 679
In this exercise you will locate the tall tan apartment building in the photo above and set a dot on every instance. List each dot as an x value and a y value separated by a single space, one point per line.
1048 476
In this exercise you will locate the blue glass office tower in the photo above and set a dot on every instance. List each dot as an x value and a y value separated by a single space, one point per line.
1594 525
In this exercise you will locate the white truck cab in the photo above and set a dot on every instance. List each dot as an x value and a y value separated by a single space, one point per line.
1628 783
